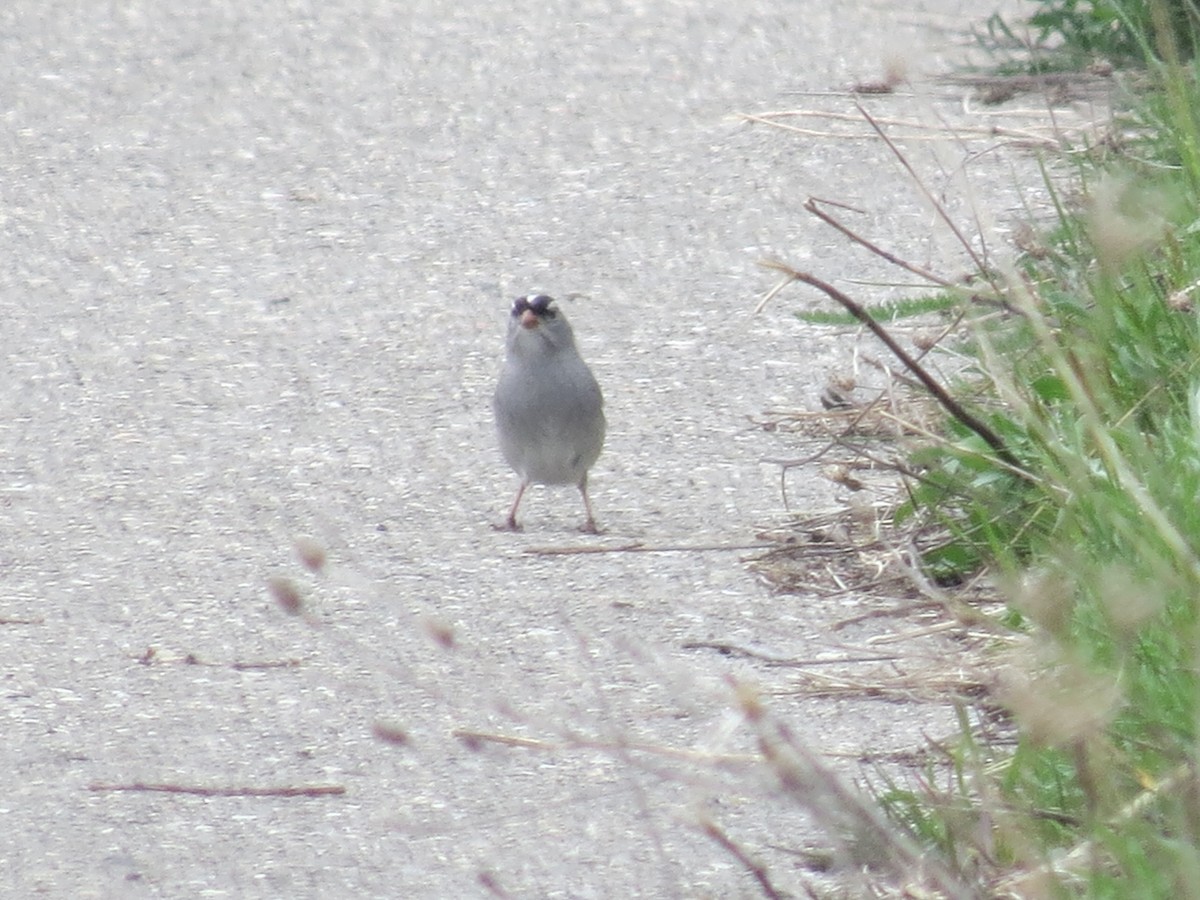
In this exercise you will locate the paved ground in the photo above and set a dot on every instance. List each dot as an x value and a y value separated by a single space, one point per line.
258 261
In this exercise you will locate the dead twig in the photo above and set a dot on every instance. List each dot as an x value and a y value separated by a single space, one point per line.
267 664
1021 136
475 739
317 790
938 208
759 872
150 656
778 658
811 205
642 548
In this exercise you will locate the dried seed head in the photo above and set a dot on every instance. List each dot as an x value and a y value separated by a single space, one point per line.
1124 221
1047 598
311 554
838 394
926 340
895 67
442 634
469 740
285 592
748 699
1059 705
1181 300
1026 239
1128 602
840 474
390 734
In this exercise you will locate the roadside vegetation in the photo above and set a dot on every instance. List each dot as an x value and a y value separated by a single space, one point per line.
1068 471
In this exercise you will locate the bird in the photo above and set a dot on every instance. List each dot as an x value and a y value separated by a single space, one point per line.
548 406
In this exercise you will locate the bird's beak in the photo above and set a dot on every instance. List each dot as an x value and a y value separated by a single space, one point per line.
529 319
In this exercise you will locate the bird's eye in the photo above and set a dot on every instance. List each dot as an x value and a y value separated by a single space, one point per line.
541 306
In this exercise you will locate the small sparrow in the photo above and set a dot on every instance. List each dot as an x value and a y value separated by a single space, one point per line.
549 411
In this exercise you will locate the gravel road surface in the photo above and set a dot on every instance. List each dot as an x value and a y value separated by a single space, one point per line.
258 262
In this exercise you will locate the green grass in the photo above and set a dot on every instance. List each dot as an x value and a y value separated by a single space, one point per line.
884 312
1070 34
1095 390
1071 473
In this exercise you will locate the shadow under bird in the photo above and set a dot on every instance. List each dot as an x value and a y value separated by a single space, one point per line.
548 406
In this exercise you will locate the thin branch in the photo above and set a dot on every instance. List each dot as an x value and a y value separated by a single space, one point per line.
642 548
1022 137
319 790
938 208
780 659
811 205
474 739
759 872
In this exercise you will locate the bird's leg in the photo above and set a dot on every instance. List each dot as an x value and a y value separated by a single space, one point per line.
588 527
511 524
